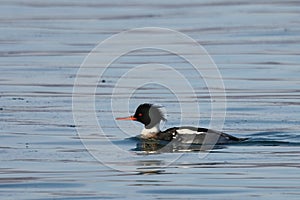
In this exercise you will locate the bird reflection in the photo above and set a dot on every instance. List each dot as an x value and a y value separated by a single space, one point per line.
158 146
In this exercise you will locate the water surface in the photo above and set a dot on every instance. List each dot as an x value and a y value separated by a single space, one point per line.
256 48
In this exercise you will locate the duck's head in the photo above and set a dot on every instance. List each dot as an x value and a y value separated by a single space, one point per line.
148 114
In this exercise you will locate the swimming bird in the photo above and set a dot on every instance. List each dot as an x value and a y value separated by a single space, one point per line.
151 115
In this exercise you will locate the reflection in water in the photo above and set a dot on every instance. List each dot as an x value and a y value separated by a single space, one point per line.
158 146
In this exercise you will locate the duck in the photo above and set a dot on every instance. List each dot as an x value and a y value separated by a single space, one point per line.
151 115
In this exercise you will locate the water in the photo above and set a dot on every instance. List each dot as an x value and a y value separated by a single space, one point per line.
256 48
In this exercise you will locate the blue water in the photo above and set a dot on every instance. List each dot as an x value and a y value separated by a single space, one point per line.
255 46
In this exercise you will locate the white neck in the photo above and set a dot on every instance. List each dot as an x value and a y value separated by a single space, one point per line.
150 132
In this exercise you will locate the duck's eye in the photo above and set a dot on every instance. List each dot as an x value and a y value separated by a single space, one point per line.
140 114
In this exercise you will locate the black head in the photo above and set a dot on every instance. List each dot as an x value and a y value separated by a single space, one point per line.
148 114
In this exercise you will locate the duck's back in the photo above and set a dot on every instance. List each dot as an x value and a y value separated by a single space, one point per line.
194 135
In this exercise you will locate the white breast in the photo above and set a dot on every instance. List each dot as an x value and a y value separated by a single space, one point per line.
150 132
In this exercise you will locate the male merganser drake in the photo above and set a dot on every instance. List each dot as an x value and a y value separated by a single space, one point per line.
151 115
